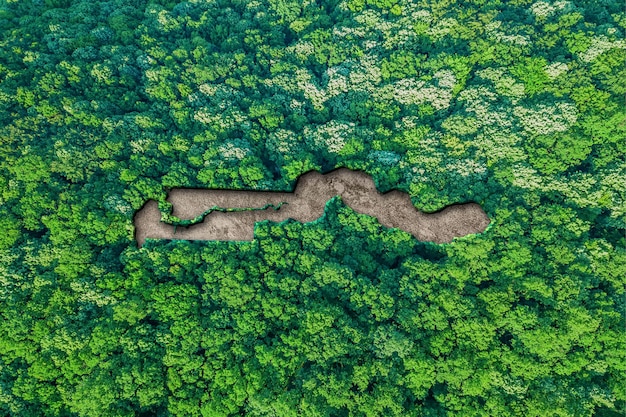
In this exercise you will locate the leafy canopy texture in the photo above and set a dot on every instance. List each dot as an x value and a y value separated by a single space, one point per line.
517 105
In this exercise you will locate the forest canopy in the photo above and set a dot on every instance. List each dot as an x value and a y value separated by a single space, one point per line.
516 105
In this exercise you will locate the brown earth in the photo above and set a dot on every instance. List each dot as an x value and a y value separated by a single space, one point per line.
305 204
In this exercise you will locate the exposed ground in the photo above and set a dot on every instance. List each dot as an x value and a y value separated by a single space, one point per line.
305 204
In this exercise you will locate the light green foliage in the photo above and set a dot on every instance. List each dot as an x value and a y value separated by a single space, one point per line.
556 153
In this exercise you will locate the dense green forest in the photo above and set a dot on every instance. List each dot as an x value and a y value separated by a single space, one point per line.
517 105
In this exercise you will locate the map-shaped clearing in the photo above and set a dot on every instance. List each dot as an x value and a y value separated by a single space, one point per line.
305 204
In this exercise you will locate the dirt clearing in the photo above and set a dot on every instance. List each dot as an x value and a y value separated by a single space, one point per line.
305 204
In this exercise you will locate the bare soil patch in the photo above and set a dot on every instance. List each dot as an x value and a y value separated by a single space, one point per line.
305 204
